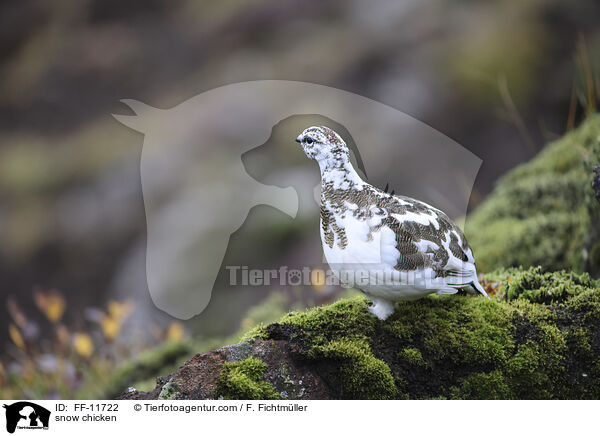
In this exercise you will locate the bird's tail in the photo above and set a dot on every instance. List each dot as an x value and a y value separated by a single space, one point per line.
478 288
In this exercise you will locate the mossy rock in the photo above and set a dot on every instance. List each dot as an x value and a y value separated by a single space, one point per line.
544 212
537 338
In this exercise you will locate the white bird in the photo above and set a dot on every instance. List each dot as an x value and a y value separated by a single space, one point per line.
388 246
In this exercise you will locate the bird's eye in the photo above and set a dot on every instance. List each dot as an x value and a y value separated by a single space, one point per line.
308 141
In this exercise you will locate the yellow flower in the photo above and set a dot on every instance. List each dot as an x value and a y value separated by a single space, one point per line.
112 322
317 279
119 311
110 327
16 337
51 304
83 344
175 332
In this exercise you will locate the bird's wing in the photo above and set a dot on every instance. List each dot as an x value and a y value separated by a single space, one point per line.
426 238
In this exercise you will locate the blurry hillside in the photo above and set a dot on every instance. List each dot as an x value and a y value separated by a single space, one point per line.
498 77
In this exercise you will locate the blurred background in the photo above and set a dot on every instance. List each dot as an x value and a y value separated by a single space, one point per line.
499 77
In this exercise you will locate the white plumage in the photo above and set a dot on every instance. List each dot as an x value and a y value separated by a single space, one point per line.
390 247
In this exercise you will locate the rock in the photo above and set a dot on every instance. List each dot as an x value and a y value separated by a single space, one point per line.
544 212
538 338
257 369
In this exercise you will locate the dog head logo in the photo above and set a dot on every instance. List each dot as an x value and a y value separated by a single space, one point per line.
197 191
26 415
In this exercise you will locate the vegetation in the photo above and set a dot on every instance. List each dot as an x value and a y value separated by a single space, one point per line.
92 361
544 212
88 360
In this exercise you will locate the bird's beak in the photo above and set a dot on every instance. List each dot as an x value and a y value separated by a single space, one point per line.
299 138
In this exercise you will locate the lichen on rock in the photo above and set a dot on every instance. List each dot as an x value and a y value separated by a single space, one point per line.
168 391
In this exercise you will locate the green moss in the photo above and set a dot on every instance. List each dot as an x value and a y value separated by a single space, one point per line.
536 370
482 386
554 350
413 356
348 318
359 374
544 211
258 332
538 287
336 338
245 380
458 330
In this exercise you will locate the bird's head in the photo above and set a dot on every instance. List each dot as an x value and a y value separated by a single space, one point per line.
323 144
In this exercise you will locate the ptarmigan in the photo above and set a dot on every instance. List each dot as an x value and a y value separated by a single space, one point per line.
388 246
